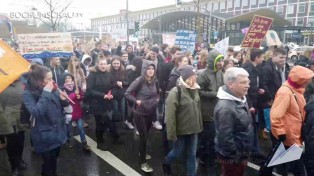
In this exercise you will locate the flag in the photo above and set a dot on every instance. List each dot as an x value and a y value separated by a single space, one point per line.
12 65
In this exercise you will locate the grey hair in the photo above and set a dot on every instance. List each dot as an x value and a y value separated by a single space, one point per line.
232 73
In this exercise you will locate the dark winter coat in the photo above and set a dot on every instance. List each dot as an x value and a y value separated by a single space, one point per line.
233 123
309 135
173 78
99 84
119 75
164 71
271 79
48 130
254 76
57 75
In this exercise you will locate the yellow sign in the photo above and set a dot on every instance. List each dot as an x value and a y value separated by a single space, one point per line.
12 65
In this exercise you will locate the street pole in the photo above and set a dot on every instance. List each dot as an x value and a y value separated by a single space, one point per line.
198 23
160 30
127 22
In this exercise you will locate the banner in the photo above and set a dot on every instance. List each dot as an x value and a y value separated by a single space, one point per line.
186 40
257 31
169 39
272 38
12 65
222 46
45 45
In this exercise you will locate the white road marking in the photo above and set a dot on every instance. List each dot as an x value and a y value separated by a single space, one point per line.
109 158
256 167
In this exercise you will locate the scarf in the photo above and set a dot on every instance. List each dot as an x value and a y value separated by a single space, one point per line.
69 86
293 84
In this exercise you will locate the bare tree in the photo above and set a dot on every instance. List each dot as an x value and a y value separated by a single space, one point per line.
55 11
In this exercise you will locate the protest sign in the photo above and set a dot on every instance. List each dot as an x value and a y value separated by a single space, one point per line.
222 46
169 39
45 45
257 31
186 39
12 65
272 38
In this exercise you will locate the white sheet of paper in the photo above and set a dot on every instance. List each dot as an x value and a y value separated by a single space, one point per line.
283 156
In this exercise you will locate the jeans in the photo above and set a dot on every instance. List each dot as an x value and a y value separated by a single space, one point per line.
143 124
119 110
206 149
188 143
80 127
15 147
49 167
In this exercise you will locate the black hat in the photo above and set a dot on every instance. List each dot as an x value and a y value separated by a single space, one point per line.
187 71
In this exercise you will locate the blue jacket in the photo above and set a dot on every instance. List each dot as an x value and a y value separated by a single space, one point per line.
48 130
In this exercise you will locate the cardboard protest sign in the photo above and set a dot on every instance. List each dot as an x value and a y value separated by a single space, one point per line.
257 31
45 45
186 39
12 65
169 39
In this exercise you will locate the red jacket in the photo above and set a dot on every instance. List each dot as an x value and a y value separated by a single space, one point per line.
77 109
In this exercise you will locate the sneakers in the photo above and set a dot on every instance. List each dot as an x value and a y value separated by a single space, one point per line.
148 157
73 124
157 125
129 125
146 168
137 133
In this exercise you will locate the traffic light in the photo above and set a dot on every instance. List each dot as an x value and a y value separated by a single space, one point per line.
178 3
137 26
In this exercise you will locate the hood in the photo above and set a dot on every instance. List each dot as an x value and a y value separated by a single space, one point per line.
214 57
145 65
225 94
181 83
85 56
300 75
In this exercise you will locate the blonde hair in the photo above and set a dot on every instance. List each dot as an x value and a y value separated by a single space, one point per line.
203 56
78 67
307 54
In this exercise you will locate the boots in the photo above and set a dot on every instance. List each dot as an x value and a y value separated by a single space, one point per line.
86 147
167 169
100 141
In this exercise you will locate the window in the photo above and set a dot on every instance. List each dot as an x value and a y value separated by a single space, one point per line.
253 2
300 22
216 6
261 2
312 7
280 10
245 2
236 3
290 9
302 8
271 1
223 5
229 4
311 22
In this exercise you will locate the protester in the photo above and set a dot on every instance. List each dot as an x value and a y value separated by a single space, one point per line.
202 62
101 104
165 49
10 126
125 59
287 115
144 93
98 50
209 80
129 50
46 106
254 93
57 70
233 123
74 68
228 63
307 135
183 119
86 63
238 58
76 95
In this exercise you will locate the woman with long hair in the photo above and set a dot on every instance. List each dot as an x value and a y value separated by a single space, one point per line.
202 63
120 84
46 104
74 68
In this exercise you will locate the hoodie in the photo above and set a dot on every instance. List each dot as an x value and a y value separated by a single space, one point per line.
86 67
147 92
287 113
234 129
210 80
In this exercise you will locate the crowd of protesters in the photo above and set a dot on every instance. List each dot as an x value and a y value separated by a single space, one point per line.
208 105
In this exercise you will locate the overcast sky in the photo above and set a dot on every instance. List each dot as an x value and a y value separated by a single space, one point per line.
89 8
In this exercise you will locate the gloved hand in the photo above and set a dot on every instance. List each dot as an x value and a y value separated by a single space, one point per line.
282 137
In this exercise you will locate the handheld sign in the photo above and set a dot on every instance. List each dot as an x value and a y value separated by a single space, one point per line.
12 65
257 31
45 45
186 39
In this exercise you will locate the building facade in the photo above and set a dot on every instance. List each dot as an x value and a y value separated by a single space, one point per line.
297 12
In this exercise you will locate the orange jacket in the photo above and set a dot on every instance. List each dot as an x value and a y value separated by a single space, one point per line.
287 115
